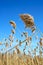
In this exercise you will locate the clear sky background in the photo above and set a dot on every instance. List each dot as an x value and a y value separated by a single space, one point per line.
10 10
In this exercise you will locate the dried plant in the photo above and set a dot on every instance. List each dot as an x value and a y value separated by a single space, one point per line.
15 56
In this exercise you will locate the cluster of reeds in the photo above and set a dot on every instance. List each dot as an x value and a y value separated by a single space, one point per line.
13 55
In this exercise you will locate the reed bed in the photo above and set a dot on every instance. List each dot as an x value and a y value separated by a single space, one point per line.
23 60
14 56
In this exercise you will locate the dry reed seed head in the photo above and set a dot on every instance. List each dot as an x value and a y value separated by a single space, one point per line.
24 48
29 43
13 24
18 51
33 29
25 33
40 52
13 31
41 42
11 38
27 19
29 39
0 43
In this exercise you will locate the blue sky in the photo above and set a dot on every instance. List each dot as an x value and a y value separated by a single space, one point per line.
10 10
